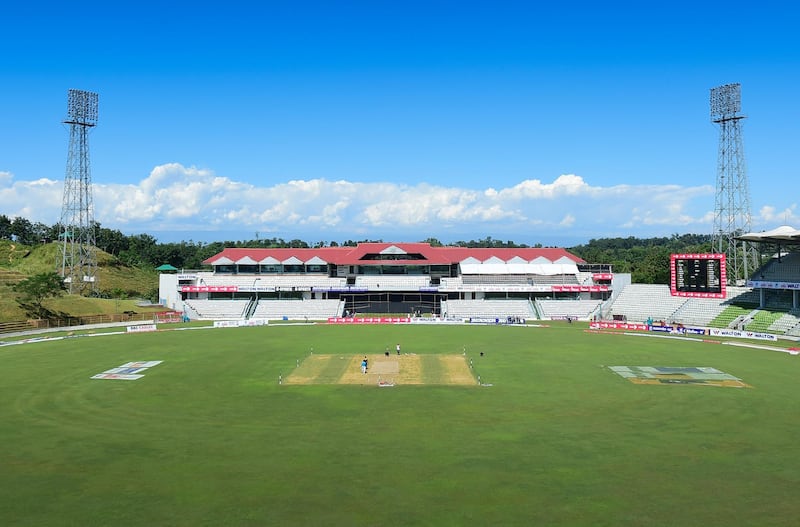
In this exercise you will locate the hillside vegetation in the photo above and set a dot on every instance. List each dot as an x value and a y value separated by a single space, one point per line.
120 286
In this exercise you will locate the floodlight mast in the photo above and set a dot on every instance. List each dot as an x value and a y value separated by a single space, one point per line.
78 265
732 215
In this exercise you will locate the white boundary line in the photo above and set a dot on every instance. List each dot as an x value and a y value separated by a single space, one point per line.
724 342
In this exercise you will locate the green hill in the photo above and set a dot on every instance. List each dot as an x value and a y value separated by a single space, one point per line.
18 262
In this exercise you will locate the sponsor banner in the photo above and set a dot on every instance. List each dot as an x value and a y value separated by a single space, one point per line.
240 323
209 289
482 320
697 294
618 325
125 370
435 320
697 256
254 322
602 276
665 329
735 333
695 331
226 323
141 328
169 317
130 371
678 329
368 320
672 375
763 284
574 288
117 376
142 364
495 288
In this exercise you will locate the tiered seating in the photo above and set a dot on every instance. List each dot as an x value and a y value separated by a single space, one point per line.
557 279
270 280
778 300
794 330
218 309
297 309
741 295
502 309
301 280
519 279
729 316
576 309
212 280
785 270
451 283
786 323
638 302
393 283
699 311
763 319
496 279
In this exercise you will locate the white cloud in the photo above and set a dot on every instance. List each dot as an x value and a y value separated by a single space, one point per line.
769 216
564 185
37 200
189 199
567 221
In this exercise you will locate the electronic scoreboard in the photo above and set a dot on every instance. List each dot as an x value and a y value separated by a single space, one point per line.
697 275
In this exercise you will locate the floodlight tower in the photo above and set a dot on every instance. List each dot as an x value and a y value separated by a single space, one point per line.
78 266
732 202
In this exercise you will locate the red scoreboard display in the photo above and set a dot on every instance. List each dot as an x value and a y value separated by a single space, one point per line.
697 275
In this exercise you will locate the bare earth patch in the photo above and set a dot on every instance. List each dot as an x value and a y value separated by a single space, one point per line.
394 369
457 369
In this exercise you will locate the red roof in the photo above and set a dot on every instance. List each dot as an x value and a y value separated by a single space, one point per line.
355 255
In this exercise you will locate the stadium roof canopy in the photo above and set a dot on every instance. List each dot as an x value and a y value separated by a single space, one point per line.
783 235
393 254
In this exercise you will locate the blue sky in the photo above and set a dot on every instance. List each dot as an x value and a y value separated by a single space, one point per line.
399 120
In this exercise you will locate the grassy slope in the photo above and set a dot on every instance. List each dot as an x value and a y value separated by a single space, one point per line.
18 261
210 438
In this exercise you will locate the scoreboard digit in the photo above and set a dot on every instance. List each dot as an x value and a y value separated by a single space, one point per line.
698 275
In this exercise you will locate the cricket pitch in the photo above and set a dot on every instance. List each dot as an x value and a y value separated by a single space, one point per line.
407 369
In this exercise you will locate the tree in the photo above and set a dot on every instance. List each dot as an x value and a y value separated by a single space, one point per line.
141 251
36 289
111 241
433 242
5 227
646 259
22 230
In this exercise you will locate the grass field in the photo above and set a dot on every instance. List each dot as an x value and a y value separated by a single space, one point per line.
209 437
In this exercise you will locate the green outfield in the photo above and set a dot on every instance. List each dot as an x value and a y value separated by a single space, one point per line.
221 433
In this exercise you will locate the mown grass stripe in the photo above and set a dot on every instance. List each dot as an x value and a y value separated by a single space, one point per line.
432 370
333 370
